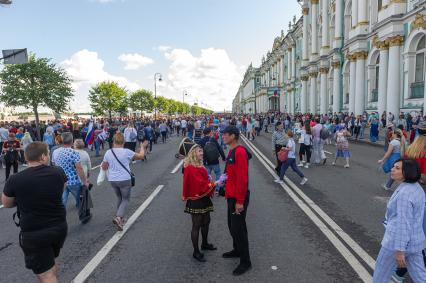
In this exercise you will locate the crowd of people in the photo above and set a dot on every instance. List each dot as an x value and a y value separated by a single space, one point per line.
208 140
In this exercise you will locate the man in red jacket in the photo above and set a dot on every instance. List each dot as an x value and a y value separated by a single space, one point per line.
237 195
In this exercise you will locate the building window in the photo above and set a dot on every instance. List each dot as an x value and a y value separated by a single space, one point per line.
417 87
347 98
375 92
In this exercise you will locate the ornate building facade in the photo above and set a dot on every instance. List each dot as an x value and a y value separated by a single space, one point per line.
346 55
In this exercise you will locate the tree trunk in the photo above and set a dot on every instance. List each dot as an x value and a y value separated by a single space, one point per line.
110 115
37 120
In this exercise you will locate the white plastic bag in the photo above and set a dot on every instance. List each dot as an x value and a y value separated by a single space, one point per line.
101 177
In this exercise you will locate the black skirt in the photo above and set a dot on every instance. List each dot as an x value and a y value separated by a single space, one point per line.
199 206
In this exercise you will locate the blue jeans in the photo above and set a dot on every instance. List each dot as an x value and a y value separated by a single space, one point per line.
97 146
290 162
216 169
75 191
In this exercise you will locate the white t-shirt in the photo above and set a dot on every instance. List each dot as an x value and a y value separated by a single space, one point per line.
184 123
127 133
292 152
4 134
115 171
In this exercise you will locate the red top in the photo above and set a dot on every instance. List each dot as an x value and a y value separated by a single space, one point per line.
196 183
237 182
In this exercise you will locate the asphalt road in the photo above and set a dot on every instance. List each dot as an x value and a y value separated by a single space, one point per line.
290 240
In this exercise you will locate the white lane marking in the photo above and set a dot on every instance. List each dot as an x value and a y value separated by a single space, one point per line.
350 258
357 248
96 167
328 152
177 167
94 262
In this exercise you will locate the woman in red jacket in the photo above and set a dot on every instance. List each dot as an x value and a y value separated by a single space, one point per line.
197 192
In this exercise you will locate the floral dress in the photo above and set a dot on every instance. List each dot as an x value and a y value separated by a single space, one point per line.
342 144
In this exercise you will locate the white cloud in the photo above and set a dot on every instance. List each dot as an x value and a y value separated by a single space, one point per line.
135 61
212 78
87 69
164 48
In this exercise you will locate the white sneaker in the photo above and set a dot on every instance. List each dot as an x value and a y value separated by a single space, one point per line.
346 166
307 165
304 180
334 163
386 188
277 180
300 164
25 165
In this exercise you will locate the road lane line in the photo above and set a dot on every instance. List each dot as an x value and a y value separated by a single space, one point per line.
177 167
94 262
345 237
344 251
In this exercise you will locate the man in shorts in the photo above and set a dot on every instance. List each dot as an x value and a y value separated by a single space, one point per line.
37 193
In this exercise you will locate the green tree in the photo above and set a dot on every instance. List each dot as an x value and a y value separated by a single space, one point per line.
108 97
141 100
39 83
173 106
162 104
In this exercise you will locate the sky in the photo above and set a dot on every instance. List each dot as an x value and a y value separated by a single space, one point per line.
202 47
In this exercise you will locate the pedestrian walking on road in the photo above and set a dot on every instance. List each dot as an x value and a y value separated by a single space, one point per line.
279 140
84 212
305 145
342 145
11 150
237 194
130 136
37 193
290 161
395 151
117 162
197 192
404 237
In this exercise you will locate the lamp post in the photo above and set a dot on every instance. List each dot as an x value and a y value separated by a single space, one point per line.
155 93
185 93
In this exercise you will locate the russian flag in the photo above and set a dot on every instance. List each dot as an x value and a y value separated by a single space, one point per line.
90 137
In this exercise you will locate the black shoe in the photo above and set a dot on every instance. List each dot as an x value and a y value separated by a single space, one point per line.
241 269
325 160
208 247
199 256
231 254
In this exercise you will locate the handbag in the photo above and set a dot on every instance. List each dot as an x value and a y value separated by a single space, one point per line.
132 176
282 155
101 176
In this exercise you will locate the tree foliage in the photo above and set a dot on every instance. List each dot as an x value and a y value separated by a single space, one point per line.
141 100
107 98
39 83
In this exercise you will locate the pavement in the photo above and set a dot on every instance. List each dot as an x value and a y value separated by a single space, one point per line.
328 230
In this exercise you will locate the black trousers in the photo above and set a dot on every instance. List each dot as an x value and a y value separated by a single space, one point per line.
238 229
9 165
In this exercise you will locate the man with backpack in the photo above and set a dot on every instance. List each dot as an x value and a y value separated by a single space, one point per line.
237 195
212 152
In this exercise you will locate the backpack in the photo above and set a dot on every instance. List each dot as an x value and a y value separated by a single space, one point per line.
141 134
211 152
324 133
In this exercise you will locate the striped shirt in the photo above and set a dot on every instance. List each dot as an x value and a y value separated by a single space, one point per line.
278 138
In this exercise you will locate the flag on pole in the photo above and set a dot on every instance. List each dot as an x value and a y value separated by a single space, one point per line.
90 137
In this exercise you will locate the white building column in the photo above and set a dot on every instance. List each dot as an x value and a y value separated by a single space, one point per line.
293 63
336 86
338 24
362 12
360 82
312 98
325 28
305 55
394 80
323 91
354 15
314 39
352 83
289 64
383 77
304 94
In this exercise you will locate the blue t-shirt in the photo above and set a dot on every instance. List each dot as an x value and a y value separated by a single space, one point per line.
67 158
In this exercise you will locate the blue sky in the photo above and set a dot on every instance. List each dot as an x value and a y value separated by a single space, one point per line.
200 46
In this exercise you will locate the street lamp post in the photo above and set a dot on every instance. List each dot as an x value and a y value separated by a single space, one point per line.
155 93
185 93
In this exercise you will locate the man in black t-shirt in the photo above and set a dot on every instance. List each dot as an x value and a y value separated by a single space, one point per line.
37 193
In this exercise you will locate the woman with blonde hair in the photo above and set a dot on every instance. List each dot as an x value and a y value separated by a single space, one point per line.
396 150
197 192
25 141
117 162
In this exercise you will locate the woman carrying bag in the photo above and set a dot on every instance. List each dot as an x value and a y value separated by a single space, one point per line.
117 162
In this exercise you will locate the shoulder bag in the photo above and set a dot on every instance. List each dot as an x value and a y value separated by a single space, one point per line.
132 176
